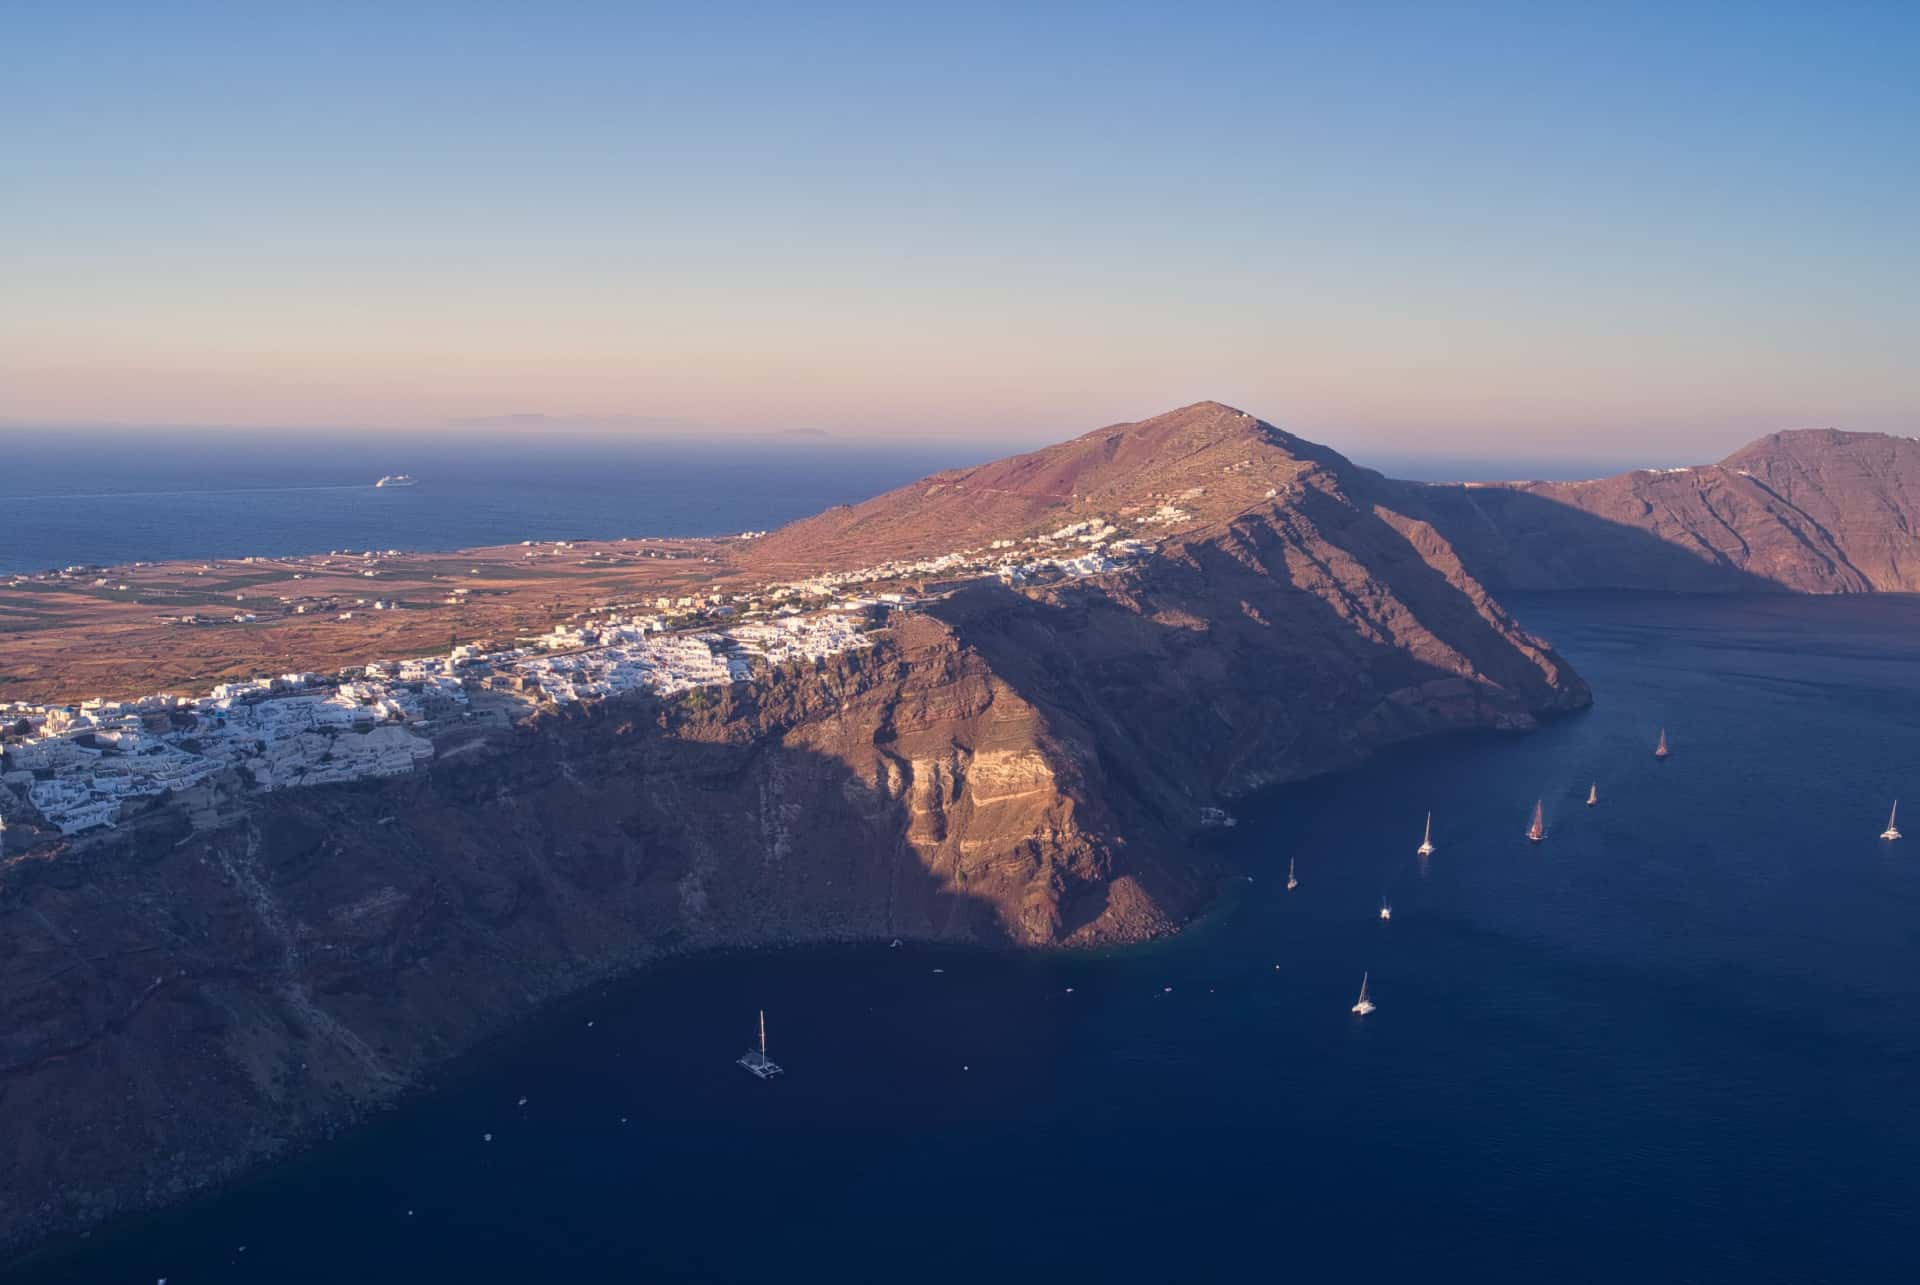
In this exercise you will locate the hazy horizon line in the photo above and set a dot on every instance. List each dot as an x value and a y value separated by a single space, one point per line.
1410 461
529 425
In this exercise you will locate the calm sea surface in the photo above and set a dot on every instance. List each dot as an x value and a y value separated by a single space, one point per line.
1679 1041
111 497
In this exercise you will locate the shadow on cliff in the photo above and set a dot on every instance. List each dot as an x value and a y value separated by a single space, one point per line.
281 971
1275 649
682 825
1515 540
1292 641
1462 617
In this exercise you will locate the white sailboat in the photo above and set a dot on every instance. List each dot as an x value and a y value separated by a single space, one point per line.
1292 881
1363 1005
1538 830
1386 911
1660 750
756 1060
1426 841
1593 794
1892 831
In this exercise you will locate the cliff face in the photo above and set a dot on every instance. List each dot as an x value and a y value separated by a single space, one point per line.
1811 511
233 972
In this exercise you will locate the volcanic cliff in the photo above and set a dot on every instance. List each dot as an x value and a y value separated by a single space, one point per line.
233 972
1807 511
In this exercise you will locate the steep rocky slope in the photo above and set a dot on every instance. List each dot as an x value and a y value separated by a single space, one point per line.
232 972
1180 471
1811 511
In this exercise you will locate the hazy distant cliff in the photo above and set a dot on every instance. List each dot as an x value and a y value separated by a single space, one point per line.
1812 511
228 974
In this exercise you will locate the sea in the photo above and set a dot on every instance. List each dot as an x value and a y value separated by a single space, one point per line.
1679 1040
108 497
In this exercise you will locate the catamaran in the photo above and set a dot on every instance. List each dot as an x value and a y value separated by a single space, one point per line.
1538 830
1363 1005
756 1060
1386 911
1292 882
1426 841
1660 750
1892 831
1593 794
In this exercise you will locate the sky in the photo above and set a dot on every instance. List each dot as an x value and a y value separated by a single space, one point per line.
1605 230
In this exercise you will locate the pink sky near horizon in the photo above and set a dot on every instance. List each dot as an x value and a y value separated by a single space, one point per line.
1630 231
1408 410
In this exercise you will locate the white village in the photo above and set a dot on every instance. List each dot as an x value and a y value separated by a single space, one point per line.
78 767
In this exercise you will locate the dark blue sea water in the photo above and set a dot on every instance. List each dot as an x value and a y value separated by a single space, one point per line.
1678 1041
110 497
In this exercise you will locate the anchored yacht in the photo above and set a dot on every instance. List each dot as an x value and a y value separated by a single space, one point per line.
1363 1005
756 1060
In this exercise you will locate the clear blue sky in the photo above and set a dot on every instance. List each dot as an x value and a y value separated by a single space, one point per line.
1630 226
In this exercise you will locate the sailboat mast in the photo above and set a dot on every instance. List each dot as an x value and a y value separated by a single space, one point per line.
763 1032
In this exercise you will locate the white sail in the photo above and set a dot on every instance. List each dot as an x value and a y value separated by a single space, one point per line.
1363 1005
1426 840
1892 831
755 1060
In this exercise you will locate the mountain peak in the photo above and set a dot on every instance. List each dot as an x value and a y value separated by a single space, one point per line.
1186 468
1810 443
1206 420
1208 409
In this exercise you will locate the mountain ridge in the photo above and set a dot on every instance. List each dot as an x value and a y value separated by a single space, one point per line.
1801 510
1115 467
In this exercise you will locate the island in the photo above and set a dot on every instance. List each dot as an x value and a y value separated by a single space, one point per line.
283 835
